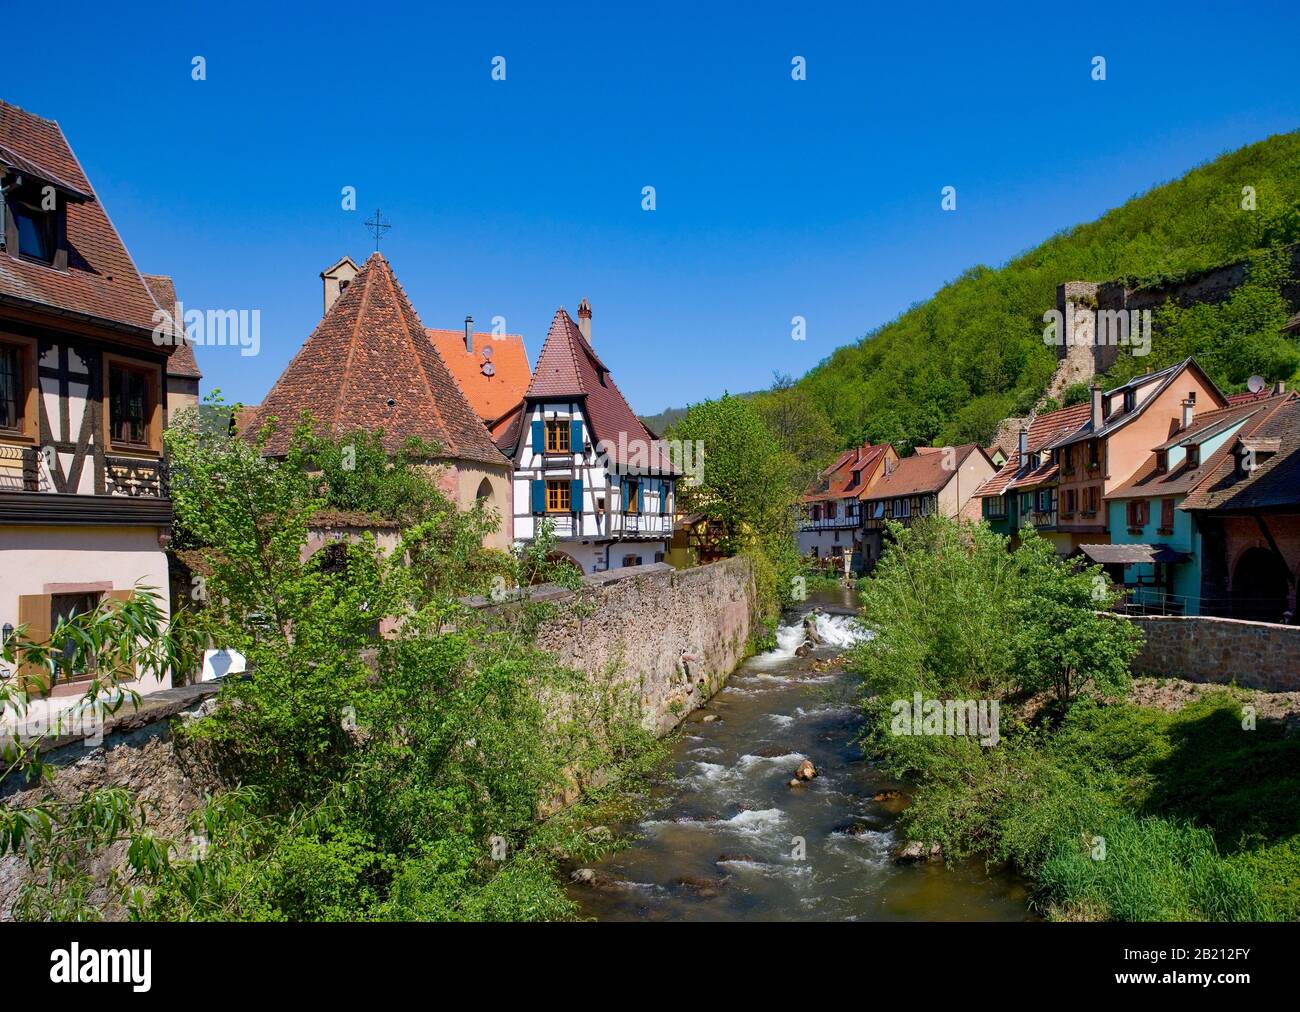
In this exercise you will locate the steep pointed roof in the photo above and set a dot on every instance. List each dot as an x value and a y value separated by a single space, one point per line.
568 367
101 281
370 365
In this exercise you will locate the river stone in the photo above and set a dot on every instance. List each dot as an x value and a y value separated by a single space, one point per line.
805 771
916 850
700 886
710 718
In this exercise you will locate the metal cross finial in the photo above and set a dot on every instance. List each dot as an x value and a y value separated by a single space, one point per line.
377 228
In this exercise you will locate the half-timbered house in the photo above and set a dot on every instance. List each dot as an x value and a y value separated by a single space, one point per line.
584 462
84 507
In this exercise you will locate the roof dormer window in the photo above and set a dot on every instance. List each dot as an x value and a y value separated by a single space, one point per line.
33 226
1130 399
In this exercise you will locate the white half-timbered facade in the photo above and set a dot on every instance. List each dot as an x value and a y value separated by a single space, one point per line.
584 463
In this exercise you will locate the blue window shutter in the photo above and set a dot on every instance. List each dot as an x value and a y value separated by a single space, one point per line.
575 435
623 485
575 495
539 436
640 497
539 495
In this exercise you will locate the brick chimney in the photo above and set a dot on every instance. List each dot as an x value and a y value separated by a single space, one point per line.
1096 416
1023 445
469 334
1279 388
584 320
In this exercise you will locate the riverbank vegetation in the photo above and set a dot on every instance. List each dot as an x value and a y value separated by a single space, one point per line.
1115 811
750 484
357 776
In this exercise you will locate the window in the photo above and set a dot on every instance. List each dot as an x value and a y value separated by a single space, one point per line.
1130 399
1094 453
995 506
631 560
18 387
130 409
830 511
659 556
557 435
1194 455
1166 516
35 230
1162 461
559 496
816 514
1071 501
1068 460
1045 500
1139 512
630 492
64 607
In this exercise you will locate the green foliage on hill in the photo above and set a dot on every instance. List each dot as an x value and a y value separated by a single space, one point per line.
948 369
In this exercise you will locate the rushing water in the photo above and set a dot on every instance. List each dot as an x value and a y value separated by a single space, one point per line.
721 841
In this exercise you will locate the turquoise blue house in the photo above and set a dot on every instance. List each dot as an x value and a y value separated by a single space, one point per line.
1156 547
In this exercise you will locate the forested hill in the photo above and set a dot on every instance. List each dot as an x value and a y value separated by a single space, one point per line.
948 369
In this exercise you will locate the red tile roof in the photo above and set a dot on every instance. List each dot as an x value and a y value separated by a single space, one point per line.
568 367
1275 481
100 281
1042 431
491 396
837 480
920 474
370 365
181 362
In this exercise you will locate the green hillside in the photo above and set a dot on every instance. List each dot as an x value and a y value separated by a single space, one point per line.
948 369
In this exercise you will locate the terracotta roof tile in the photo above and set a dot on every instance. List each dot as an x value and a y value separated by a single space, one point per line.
370 365
837 481
919 474
1042 431
101 281
490 396
1275 482
568 367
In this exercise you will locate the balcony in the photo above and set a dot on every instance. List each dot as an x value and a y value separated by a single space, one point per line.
136 491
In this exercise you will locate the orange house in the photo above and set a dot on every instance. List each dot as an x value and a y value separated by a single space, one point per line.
1115 440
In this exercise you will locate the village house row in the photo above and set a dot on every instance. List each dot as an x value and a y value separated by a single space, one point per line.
87 389
1188 498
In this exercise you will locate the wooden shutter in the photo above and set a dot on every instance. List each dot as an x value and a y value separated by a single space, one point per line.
34 613
539 488
539 438
575 494
640 497
623 486
575 435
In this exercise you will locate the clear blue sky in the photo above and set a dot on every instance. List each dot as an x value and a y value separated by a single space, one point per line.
775 198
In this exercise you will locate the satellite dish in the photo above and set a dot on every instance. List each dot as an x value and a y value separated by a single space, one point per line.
487 352
489 369
1255 384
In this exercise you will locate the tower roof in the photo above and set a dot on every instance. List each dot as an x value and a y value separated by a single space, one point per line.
370 365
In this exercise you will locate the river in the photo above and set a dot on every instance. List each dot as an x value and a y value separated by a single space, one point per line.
727 838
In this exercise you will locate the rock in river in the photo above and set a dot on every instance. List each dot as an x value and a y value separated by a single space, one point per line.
806 771
916 850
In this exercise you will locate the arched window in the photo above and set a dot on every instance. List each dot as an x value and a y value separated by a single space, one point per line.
484 490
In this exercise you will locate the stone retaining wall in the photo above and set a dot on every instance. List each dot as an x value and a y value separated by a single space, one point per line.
1257 655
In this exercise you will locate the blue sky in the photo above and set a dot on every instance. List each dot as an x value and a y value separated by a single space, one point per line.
775 198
